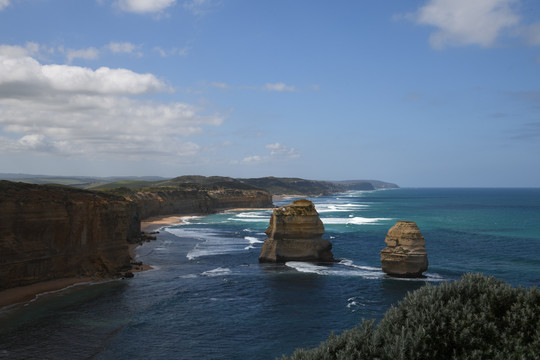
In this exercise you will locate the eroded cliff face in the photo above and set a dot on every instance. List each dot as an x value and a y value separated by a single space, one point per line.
51 232
295 234
171 201
405 254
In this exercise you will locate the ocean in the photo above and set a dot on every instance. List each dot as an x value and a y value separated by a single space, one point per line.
209 298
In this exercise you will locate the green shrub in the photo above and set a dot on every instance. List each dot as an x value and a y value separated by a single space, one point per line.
478 317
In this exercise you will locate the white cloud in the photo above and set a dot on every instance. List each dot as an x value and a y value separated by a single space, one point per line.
220 85
199 7
16 51
4 4
278 87
28 74
251 160
70 110
277 149
467 22
90 53
532 34
121 47
174 51
144 6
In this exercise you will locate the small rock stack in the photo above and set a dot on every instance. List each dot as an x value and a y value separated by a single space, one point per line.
405 254
295 234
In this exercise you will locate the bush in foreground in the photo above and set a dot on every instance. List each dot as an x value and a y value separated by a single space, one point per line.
478 317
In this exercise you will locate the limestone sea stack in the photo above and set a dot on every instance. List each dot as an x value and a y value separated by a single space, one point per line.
405 254
295 234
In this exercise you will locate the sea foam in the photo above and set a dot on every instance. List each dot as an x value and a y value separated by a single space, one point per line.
356 220
334 270
213 243
217 272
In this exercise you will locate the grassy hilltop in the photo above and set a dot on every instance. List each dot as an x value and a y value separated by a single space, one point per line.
274 185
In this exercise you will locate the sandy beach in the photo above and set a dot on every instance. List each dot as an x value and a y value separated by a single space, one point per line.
157 222
27 293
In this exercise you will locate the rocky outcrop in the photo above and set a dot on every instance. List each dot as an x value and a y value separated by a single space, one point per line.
196 201
50 232
295 234
405 254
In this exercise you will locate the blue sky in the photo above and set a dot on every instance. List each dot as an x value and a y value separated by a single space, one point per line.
420 93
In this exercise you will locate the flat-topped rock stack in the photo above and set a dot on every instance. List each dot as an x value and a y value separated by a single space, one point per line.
295 234
405 254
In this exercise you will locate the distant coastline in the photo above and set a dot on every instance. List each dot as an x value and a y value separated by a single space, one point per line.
163 203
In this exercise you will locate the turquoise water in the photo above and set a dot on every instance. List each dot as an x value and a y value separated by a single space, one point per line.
209 298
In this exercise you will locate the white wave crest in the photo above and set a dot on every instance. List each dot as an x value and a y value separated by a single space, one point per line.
357 220
263 220
350 263
217 272
253 214
253 240
325 208
334 270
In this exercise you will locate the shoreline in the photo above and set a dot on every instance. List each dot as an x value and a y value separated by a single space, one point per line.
27 293
283 197
155 223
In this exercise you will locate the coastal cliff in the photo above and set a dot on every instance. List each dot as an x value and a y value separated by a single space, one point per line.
52 232
196 201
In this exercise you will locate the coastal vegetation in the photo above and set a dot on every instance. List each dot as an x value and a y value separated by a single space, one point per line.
274 185
477 317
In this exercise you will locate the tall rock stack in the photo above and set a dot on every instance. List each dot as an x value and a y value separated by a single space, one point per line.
295 234
405 254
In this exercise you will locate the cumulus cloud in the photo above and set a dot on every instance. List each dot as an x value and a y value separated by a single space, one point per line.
278 151
121 47
27 73
466 22
174 51
4 4
15 51
71 110
251 160
531 34
144 6
90 53
199 7
278 87
220 85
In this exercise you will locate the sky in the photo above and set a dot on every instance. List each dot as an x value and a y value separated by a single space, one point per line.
418 92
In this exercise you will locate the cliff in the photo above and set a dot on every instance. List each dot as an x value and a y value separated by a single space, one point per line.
295 234
196 201
405 254
51 232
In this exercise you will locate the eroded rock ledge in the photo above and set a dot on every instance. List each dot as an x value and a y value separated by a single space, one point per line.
295 234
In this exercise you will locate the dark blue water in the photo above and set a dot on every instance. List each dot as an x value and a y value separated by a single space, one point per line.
209 298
